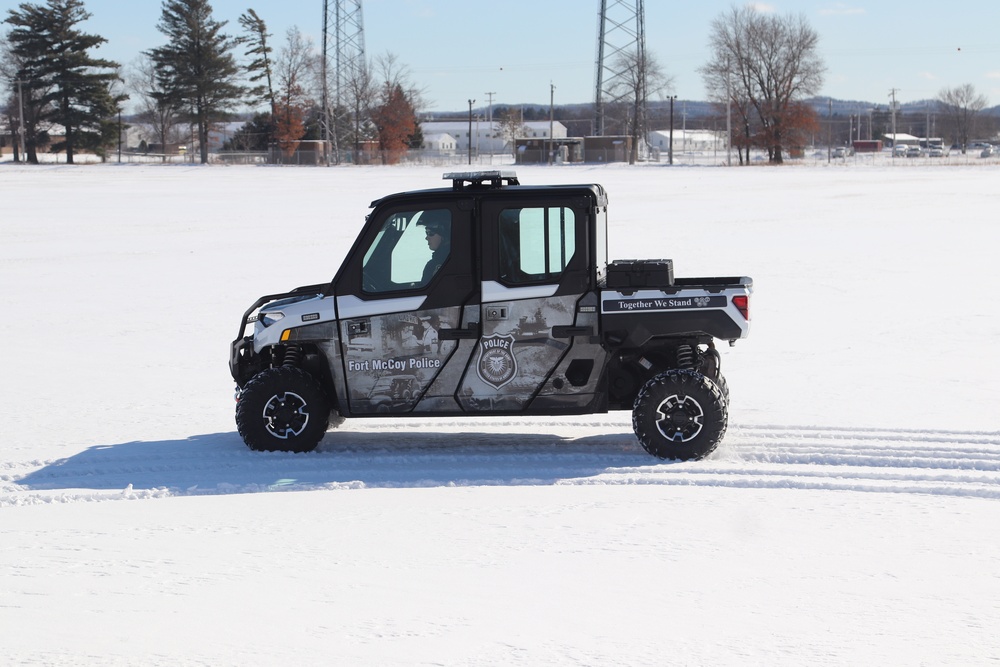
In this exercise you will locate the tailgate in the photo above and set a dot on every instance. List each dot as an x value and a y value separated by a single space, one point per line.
719 307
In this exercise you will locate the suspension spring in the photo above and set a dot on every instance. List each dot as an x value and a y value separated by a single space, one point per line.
293 355
685 356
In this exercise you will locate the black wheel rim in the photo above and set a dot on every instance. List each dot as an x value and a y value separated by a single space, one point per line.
286 415
679 418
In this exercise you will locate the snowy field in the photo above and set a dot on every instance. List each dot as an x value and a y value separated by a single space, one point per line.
850 517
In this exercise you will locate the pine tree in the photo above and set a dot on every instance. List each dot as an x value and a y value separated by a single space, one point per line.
61 82
196 68
259 52
254 135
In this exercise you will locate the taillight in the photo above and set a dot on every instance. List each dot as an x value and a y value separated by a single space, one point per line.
742 304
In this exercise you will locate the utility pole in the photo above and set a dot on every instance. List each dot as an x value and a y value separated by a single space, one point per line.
684 126
471 102
489 121
829 130
892 94
927 127
552 99
670 151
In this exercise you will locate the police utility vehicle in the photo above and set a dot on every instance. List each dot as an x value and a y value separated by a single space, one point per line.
490 298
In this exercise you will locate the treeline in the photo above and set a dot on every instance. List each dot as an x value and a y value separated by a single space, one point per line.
762 76
200 76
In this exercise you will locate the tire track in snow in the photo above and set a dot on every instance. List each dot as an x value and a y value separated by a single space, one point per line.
874 460
425 453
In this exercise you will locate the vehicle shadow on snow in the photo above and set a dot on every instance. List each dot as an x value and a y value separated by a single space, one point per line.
220 463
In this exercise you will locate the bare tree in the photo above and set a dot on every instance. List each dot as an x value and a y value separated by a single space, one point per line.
641 78
769 61
290 98
510 125
367 84
391 73
360 99
960 105
155 111
746 129
396 100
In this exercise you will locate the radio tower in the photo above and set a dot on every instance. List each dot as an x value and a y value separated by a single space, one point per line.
621 31
343 60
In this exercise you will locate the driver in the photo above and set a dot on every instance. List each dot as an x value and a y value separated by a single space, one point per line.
437 227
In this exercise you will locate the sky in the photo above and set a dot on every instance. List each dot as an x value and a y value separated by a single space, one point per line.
457 51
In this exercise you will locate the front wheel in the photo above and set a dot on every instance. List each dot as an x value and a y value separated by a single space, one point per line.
680 414
282 410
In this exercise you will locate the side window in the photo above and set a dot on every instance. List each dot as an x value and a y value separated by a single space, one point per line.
410 248
536 244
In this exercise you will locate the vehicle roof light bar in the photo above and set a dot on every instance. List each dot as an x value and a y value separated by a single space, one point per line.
494 178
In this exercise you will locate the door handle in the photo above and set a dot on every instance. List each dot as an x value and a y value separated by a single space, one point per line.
471 331
571 331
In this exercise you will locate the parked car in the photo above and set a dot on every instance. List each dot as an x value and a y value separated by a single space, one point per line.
987 151
913 151
899 151
843 151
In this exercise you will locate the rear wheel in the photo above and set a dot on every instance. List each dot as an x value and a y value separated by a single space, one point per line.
680 414
723 386
282 409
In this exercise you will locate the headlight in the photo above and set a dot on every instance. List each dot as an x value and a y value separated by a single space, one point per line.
269 318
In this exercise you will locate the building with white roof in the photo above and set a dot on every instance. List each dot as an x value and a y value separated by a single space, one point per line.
486 137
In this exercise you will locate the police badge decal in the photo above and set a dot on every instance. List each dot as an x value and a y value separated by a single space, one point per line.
497 365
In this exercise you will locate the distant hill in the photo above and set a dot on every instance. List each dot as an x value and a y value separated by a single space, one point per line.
695 109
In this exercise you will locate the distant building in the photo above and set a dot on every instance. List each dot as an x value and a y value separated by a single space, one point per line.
867 146
687 140
901 139
442 143
607 148
486 137
545 151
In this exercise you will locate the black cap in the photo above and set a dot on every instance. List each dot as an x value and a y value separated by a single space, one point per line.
437 221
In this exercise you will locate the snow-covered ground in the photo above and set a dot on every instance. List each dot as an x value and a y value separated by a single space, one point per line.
849 518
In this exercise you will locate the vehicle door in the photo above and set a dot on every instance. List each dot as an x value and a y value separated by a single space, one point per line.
405 300
535 271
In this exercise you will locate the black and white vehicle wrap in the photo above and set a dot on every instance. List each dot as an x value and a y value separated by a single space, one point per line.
490 298
722 312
